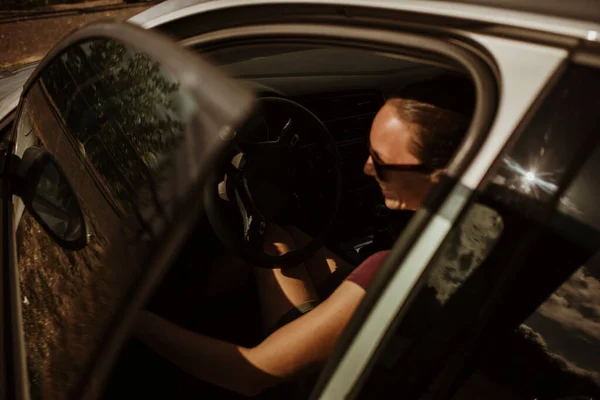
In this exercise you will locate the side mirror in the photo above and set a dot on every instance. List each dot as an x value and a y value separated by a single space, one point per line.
48 196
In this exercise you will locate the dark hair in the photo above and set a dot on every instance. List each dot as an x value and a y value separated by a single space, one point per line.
442 108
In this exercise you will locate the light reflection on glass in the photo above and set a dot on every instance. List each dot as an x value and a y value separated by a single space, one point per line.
530 181
530 176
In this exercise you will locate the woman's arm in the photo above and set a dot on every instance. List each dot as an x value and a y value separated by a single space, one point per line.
221 363
304 345
300 347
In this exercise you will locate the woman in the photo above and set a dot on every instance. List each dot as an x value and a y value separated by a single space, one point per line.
412 139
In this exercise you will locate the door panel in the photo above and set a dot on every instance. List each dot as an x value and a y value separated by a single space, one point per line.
134 140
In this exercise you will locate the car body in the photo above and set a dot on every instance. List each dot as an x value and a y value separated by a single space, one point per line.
501 242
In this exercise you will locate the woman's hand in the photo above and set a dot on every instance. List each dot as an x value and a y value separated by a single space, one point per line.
278 241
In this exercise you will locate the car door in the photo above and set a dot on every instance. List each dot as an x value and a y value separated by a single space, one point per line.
132 124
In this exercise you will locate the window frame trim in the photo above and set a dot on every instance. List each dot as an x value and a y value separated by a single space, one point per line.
392 278
492 164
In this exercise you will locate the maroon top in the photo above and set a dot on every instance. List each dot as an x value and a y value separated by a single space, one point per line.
364 273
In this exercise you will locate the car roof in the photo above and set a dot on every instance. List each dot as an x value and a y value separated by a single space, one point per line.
578 18
583 10
581 21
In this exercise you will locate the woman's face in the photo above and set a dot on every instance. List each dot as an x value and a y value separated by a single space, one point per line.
391 139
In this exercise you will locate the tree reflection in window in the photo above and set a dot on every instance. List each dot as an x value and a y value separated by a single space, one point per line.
124 110
111 117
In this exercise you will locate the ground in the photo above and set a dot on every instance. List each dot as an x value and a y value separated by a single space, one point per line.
27 36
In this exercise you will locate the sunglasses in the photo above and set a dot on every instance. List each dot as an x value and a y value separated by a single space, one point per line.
380 167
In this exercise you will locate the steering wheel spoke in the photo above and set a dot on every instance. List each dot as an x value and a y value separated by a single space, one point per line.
254 233
263 187
254 223
287 136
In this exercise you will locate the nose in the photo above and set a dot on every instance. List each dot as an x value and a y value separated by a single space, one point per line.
369 169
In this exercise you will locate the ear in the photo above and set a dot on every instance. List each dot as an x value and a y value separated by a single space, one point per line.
435 177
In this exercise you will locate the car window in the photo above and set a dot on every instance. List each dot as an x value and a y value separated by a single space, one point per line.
555 351
553 354
92 114
507 251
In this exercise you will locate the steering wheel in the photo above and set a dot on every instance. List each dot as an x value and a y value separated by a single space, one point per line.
258 183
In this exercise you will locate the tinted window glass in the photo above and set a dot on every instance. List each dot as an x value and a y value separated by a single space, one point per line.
555 351
507 252
112 118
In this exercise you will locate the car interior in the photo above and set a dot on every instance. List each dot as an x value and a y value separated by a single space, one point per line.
343 88
330 95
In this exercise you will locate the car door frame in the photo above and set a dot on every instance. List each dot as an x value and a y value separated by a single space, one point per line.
444 382
226 106
391 292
